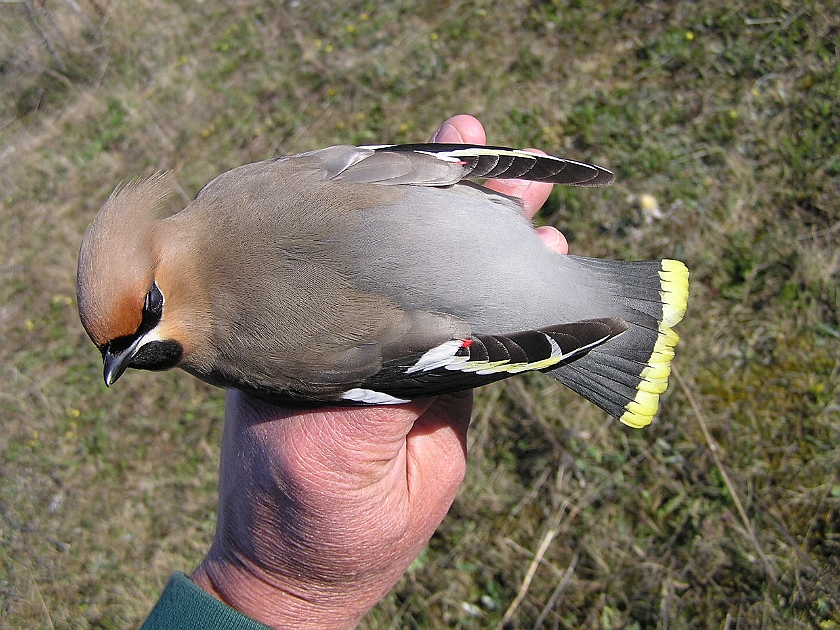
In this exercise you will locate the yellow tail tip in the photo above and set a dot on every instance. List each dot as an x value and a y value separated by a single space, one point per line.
640 411
674 292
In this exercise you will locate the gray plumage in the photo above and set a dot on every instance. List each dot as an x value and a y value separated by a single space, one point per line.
326 276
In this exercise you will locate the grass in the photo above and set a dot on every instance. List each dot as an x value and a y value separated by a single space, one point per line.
723 514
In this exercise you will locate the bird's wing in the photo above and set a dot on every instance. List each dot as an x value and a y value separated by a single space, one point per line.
437 164
467 362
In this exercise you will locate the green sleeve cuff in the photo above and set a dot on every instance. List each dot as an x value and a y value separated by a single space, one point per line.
183 605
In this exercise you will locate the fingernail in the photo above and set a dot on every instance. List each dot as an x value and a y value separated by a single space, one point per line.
447 133
550 236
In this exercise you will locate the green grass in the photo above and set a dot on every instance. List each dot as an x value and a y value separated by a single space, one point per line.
723 514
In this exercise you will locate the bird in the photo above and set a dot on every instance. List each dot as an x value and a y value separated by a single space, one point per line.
373 275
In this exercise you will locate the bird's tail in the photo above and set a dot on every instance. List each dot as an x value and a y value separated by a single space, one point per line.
625 375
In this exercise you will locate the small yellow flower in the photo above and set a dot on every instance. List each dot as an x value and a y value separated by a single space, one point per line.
328 48
689 35
648 202
364 17
30 325
433 37
57 301
351 28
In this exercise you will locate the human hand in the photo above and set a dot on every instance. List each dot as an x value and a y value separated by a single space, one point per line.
322 511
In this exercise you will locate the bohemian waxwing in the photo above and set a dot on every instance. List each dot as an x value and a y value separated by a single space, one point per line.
373 275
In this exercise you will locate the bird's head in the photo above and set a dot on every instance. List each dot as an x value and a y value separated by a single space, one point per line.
122 302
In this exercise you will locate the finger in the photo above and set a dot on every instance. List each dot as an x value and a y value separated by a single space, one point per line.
532 194
461 129
327 437
436 457
553 239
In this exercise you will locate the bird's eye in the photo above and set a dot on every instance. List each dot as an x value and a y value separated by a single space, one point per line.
154 303
154 300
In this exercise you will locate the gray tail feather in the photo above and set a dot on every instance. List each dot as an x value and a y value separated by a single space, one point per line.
625 375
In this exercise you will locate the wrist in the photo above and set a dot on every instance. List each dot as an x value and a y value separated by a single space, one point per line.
279 607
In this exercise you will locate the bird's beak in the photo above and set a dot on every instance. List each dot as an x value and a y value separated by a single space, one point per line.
117 361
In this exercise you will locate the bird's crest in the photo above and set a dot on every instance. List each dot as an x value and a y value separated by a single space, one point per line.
117 258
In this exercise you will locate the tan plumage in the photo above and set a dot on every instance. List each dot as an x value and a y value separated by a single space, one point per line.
116 264
369 275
